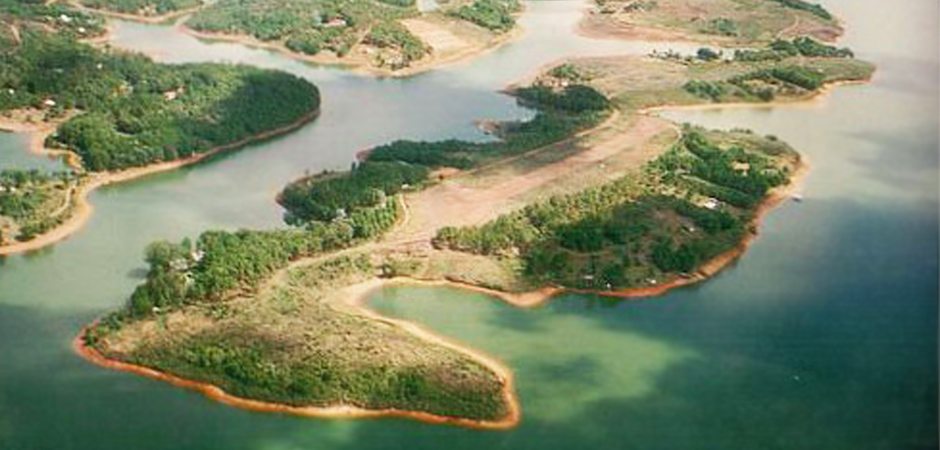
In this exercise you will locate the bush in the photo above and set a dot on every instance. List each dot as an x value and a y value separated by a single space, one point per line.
496 15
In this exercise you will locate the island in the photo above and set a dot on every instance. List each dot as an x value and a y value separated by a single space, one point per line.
115 115
383 37
595 193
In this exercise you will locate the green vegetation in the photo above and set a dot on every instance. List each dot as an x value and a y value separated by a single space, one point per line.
290 344
142 7
306 26
310 27
722 27
32 202
707 54
336 211
705 89
46 16
391 168
801 46
496 15
222 264
813 8
570 73
788 68
330 195
120 110
690 205
394 36
134 112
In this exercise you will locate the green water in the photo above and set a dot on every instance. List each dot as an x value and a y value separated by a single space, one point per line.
824 336
13 154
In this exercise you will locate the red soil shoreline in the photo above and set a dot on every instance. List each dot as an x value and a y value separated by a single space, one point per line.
704 272
327 412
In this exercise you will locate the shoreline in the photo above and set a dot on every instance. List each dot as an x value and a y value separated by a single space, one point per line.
704 272
340 411
357 295
592 25
809 100
153 20
359 64
83 209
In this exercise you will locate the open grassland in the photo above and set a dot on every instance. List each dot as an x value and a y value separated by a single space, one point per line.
296 343
729 22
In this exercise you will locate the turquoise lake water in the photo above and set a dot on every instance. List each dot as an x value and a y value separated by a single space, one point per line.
823 336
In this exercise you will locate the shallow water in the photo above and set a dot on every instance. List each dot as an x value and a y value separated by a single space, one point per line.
822 337
13 154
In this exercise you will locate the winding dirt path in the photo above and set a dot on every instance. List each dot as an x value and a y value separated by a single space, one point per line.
478 196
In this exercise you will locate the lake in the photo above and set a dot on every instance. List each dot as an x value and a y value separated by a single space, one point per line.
823 336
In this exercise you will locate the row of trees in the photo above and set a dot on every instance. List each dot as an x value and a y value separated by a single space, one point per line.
802 46
222 262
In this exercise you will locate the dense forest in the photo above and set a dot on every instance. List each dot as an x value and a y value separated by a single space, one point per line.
691 204
129 111
400 165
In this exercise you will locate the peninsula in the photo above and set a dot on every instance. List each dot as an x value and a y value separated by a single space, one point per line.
717 22
115 115
382 37
593 194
